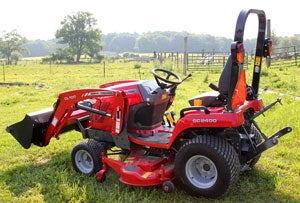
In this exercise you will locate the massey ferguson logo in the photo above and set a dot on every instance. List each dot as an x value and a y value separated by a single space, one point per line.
205 120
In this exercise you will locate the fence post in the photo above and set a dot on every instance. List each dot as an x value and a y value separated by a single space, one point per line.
3 73
177 59
295 53
104 69
185 56
50 67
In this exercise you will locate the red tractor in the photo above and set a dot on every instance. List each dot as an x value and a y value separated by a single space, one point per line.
204 151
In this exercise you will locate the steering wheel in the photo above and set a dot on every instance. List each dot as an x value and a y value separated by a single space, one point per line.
165 75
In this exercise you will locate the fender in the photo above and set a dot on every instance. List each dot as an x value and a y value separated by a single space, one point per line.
216 118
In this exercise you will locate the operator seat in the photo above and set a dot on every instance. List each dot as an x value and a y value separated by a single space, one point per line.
215 98
147 115
221 97
224 80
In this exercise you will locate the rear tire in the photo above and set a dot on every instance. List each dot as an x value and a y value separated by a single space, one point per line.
207 166
86 156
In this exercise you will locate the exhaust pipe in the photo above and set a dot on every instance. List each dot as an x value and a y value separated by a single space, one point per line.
32 129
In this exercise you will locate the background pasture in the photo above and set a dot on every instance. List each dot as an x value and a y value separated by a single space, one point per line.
46 175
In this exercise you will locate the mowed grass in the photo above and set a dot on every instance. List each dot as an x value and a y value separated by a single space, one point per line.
46 174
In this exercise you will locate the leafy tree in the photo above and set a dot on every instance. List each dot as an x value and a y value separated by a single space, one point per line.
79 32
275 38
61 55
123 42
289 41
99 57
11 44
144 43
162 43
177 41
15 57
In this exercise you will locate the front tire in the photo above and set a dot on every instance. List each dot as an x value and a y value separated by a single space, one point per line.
86 157
207 166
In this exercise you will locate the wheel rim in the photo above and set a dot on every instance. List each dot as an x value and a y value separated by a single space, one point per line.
201 171
84 161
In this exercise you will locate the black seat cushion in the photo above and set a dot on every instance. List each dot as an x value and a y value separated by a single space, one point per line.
224 80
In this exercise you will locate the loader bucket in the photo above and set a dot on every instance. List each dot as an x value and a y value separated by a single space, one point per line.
32 129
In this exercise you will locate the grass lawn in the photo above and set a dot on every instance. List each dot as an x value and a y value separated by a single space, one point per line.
46 174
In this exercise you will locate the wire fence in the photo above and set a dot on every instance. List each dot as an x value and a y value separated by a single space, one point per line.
196 61
95 73
286 56
282 58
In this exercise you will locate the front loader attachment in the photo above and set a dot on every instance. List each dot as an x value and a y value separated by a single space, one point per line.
71 106
32 129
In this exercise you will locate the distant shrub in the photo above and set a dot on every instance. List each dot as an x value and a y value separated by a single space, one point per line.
99 57
264 73
205 79
137 65
130 55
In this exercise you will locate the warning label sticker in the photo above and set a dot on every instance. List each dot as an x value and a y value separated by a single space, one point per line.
257 60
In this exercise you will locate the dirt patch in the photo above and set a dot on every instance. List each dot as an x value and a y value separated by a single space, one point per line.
13 83
36 84
281 94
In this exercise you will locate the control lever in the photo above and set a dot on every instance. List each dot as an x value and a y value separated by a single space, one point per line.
214 87
189 75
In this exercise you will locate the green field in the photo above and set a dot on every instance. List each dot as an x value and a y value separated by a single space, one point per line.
46 174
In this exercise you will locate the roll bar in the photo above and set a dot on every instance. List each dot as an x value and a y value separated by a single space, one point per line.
237 67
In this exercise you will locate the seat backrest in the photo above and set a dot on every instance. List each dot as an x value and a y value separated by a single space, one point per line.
239 94
224 80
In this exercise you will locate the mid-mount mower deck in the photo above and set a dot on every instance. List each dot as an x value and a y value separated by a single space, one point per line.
204 151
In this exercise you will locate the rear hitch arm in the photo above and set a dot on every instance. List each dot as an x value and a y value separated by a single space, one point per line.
270 142
278 100
273 140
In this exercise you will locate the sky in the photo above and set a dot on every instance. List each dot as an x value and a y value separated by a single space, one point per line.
39 19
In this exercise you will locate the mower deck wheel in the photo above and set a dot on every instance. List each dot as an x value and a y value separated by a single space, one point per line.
168 187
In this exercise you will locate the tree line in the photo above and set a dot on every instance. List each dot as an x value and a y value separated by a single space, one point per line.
160 42
79 35
146 43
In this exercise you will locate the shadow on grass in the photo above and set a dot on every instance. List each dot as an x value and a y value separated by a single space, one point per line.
45 177
257 186
54 180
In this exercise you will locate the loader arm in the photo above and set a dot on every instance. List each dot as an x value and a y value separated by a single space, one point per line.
39 127
67 109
